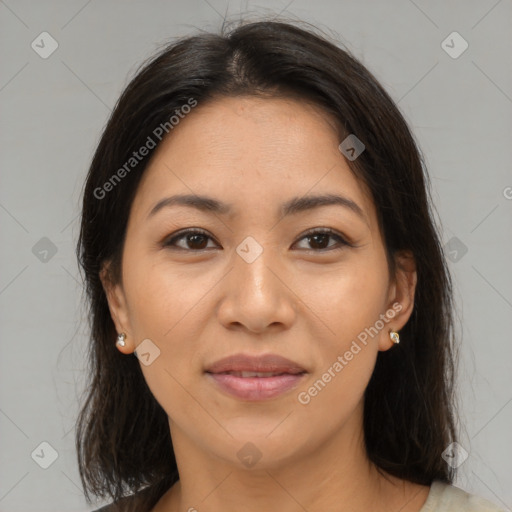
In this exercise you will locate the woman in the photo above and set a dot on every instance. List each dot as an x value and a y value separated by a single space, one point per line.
270 306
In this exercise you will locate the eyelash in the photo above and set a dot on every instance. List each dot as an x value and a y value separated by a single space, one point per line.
317 231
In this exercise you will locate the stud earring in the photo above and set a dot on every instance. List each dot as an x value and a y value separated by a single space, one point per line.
120 339
394 337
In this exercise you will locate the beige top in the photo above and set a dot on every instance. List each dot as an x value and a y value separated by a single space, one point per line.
448 498
441 498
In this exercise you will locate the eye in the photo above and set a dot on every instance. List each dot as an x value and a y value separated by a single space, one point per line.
197 240
320 236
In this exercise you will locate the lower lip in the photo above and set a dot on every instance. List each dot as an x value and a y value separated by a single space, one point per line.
256 388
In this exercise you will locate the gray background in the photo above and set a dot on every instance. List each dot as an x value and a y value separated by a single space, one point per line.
53 111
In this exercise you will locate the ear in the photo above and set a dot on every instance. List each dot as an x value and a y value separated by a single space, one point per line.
400 297
118 307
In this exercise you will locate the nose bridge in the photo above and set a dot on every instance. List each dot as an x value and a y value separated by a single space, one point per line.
255 296
253 261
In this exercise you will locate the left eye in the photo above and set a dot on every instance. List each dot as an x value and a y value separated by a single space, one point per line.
320 236
197 240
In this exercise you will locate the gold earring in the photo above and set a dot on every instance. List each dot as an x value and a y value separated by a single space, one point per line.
394 337
120 339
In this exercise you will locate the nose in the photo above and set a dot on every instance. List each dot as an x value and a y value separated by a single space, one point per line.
256 296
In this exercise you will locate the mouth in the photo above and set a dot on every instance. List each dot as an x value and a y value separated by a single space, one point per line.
255 378
257 374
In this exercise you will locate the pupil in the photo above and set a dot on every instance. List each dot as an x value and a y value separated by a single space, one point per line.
193 240
320 236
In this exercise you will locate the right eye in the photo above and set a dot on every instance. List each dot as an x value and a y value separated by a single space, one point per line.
195 238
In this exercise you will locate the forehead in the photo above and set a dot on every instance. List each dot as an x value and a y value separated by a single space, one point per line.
250 151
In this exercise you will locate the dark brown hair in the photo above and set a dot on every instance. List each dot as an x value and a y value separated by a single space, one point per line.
123 440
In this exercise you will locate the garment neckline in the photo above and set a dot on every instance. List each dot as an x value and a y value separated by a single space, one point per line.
436 488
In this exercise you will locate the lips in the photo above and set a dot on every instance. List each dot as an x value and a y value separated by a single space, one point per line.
253 374
255 378
239 364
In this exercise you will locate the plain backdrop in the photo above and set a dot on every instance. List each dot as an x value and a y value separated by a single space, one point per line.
53 110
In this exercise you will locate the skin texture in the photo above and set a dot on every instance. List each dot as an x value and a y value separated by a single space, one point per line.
297 299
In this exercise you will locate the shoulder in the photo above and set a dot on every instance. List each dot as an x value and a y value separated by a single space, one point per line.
444 497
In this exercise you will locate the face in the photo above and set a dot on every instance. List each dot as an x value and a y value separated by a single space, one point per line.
244 274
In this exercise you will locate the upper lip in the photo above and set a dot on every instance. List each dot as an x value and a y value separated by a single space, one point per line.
268 363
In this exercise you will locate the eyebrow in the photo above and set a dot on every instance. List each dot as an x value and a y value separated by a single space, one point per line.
290 207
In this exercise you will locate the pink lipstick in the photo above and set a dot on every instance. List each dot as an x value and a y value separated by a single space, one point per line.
255 378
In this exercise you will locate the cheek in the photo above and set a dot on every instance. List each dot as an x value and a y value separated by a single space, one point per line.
348 299
350 305
160 297
165 307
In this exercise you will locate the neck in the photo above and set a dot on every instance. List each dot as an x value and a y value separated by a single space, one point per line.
316 479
